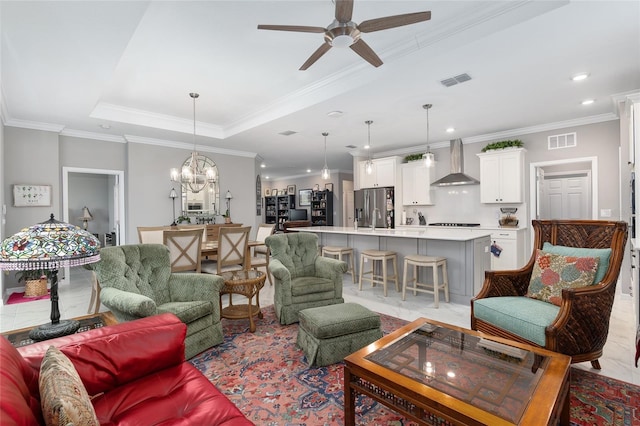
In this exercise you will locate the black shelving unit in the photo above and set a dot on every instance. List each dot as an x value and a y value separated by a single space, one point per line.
270 210
322 208
283 204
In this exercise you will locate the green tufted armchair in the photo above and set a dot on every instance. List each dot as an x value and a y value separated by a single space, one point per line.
303 279
136 282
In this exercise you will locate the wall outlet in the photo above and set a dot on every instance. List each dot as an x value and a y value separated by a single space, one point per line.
605 212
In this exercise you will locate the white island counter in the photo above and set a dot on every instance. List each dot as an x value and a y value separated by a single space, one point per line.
466 250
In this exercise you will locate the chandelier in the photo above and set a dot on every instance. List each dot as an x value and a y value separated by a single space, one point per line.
368 166
429 157
326 173
195 174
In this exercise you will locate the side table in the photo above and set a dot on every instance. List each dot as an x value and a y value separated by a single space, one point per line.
247 283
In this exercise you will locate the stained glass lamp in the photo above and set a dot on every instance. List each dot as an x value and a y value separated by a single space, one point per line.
50 245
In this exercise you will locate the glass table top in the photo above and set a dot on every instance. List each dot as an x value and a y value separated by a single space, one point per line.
486 374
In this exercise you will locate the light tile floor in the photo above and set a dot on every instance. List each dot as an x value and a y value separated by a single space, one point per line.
617 360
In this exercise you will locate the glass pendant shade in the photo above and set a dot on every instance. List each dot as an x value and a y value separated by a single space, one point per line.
428 157
368 167
326 173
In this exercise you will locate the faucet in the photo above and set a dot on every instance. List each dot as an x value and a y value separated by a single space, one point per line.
374 217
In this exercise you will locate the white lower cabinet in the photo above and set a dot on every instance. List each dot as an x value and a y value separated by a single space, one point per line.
511 242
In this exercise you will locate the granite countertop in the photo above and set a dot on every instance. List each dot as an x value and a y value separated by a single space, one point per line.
481 227
422 232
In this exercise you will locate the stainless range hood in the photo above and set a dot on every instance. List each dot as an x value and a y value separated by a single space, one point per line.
457 176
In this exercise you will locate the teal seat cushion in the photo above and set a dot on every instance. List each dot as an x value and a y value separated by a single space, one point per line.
522 316
602 254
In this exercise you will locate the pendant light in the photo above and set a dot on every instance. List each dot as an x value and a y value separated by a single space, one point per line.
326 173
192 176
368 167
429 157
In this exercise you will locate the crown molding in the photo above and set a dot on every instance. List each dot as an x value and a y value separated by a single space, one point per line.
34 125
504 134
92 135
305 175
118 113
183 145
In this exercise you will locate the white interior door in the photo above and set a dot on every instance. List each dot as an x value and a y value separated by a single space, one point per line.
566 196
540 193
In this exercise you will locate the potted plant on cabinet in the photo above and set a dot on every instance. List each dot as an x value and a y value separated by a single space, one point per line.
227 216
35 281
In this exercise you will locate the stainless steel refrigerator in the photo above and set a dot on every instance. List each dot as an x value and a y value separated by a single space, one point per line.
375 205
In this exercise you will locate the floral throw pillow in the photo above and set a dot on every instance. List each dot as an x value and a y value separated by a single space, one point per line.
553 272
63 398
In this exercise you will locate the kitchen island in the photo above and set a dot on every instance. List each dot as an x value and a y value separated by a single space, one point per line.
466 250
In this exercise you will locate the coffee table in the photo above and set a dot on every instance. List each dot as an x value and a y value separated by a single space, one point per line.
247 283
21 337
436 373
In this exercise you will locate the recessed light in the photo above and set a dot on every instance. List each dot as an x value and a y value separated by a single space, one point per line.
308 170
266 177
588 101
451 130
367 146
105 126
335 114
580 77
263 165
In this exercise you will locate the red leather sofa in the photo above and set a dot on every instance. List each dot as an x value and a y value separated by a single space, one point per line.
135 373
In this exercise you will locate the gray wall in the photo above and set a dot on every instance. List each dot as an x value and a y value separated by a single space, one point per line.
94 192
307 182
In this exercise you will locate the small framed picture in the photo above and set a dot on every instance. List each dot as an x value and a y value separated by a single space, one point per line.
328 186
316 187
304 197
291 190
267 192
283 192
25 195
274 192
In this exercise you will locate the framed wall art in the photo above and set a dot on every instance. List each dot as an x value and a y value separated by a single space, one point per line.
291 190
267 192
304 197
258 196
31 195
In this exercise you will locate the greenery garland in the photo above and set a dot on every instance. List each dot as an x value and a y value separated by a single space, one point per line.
517 143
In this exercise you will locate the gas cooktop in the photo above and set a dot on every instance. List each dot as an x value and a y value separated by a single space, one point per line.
457 224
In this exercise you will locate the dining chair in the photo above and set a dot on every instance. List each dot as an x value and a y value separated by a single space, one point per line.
232 250
151 234
184 249
261 253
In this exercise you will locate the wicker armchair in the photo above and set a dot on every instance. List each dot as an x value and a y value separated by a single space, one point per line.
580 325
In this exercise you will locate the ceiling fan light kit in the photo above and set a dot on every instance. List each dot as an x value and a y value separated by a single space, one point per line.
343 32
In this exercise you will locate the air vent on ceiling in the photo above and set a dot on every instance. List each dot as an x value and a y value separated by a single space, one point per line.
287 133
448 82
351 146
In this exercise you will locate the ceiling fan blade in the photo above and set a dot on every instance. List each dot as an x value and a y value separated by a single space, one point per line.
324 48
367 53
344 10
296 28
393 21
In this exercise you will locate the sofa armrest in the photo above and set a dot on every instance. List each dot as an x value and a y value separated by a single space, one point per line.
187 287
109 357
132 304
329 268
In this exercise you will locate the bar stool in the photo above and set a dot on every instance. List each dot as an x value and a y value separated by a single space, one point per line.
383 256
333 251
429 262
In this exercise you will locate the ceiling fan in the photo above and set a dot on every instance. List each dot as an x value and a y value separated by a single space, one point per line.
343 32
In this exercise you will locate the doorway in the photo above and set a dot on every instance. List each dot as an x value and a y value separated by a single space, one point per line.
564 189
102 192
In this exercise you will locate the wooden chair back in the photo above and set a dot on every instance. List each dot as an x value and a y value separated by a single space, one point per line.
203 228
232 247
264 230
184 249
151 234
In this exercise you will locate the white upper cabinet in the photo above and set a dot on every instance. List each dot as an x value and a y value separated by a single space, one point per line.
384 173
502 176
416 184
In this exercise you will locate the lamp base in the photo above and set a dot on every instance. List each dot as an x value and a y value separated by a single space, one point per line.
51 331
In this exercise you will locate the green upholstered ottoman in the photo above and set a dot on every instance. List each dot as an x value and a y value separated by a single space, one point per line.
327 334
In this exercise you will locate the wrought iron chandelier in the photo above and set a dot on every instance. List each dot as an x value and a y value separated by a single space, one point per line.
195 174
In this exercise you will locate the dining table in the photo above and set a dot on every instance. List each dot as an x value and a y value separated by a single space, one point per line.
210 248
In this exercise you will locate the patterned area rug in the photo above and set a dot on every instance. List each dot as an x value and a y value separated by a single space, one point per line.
267 377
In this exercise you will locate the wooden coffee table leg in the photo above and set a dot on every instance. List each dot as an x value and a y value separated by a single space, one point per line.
349 400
